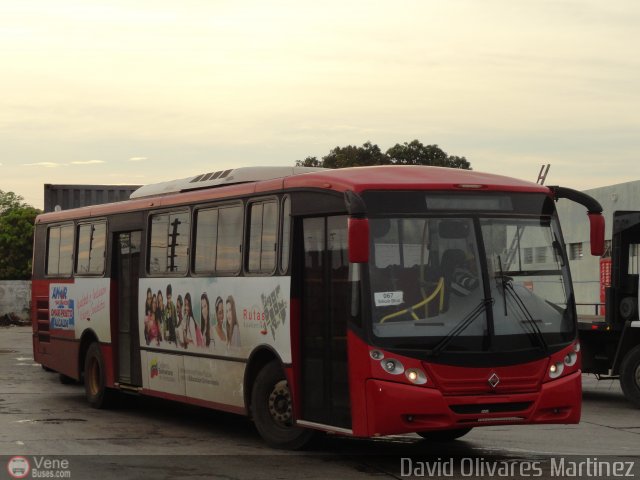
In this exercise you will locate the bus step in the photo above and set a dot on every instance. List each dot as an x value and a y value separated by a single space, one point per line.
128 388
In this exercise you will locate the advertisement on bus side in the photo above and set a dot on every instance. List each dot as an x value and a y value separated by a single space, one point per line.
226 316
211 379
220 320
81 305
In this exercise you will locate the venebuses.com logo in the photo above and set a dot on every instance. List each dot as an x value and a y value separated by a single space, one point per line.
18 467
38 467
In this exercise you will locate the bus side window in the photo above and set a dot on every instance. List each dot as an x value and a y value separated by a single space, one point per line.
206 240
158 247
169 249
218 239
91 248
263 222
285 237
229 247
60 251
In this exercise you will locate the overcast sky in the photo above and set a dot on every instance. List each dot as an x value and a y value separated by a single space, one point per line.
138 92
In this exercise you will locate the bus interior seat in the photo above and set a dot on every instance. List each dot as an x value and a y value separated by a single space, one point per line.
407 280
451 260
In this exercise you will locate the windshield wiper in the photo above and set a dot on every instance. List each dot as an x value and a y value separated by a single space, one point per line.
507 286
461 326
504 281
527 315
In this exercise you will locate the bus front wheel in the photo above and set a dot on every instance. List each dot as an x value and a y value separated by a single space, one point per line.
98 395
444 435
630 376
272 409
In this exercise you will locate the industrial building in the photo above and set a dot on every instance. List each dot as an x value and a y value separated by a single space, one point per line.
65 197
591 274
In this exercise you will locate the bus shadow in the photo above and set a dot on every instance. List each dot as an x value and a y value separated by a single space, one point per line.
368 452
608 396
241 429
391 447
186 415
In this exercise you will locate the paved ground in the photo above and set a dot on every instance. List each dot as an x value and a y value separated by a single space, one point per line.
148 438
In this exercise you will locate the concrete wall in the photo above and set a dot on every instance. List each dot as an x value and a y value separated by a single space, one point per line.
15 298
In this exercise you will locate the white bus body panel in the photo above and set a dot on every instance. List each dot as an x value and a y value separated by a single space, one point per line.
81 305
214 372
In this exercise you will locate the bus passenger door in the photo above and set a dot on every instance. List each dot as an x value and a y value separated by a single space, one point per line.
325 311
127 272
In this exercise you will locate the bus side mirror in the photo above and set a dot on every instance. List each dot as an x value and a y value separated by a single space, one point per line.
358 240
596 224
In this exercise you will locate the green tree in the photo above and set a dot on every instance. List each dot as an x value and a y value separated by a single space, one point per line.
415 153
458 162
309 162
9 200
408 153
352 156
349 156
16 236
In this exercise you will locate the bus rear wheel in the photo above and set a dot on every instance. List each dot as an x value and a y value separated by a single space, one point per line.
272 409
444 435
98 395
630 376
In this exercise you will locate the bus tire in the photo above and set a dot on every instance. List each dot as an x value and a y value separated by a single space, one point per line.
272 409
444 435
630 376
98 395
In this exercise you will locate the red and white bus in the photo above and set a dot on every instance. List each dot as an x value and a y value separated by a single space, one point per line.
365 301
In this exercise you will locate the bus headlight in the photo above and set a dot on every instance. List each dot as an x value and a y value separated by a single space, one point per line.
392 366
376 354
555 370
417 376
570 359
576 347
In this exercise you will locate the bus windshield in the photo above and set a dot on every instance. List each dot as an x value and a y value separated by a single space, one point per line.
469 284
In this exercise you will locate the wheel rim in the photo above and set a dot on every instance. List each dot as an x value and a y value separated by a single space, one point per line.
93 382
280 404
637 376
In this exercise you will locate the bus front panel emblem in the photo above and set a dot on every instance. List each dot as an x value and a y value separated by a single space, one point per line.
494 380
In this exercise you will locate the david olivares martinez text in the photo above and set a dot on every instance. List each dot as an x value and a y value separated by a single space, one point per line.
476 467
481 467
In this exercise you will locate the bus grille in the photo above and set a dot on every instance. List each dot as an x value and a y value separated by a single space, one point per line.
475 408
42 319
491 420
501 419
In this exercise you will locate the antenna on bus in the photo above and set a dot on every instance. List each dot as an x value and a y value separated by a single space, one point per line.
542 176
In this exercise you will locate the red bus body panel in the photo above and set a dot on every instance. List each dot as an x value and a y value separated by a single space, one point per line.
395 408
56 349
386 404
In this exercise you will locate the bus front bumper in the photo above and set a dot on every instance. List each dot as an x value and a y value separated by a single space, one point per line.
395 408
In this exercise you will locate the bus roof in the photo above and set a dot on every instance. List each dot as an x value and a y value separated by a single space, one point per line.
273 179
410 177
219 179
